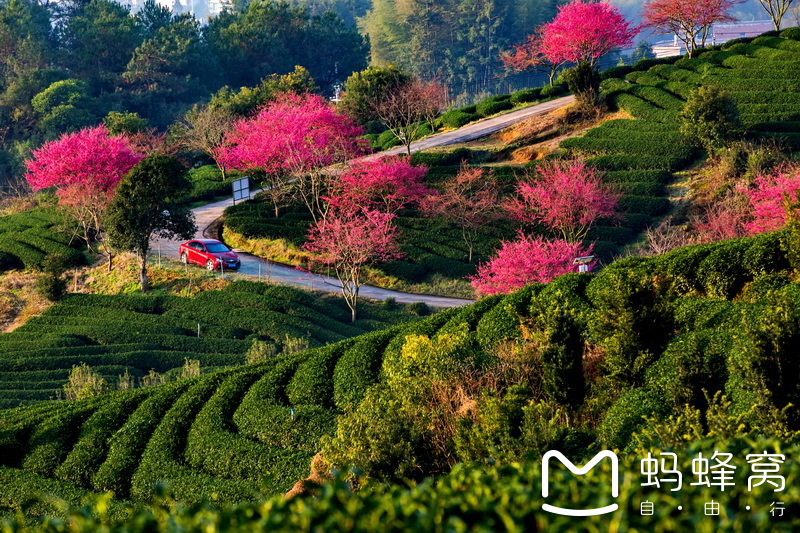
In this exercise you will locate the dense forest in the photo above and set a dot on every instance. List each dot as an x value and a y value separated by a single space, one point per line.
70 64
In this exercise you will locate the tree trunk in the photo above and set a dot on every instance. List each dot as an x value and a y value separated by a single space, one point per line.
110 255
145 284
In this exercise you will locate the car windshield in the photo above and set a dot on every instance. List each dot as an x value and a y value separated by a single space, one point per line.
216 247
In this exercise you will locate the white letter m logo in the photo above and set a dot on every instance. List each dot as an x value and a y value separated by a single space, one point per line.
579 472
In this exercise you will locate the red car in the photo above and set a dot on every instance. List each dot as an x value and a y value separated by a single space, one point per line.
210 253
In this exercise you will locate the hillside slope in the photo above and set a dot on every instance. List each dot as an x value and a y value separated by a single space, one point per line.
115 334
715 317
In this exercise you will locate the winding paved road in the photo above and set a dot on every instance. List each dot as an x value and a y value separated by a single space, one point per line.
255 266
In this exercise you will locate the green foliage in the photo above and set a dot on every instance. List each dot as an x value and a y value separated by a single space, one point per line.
51 287
130 123
490 107
84 383
710 118
525 96
363 89
456 119
627 415
633 322
583 81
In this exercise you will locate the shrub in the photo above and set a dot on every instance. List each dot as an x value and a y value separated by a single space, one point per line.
452 157
84 383
418 308
127 444
50 287
456 119
633 318
765 284
619 71
639 108
721 273
502 322
313 382
692 368
387 140
357 369
627 415
551 91
634 162
710 118
791 33
488 108
525 96
90 450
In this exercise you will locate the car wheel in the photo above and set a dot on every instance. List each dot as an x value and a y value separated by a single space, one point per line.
184 258
210 265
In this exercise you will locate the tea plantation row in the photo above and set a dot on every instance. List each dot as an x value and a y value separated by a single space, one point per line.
666 325
480 499
634 152
138 333
27 238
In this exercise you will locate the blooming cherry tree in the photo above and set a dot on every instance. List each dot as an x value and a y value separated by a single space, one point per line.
689 20
349 240
530 56
387 184
773 198
567 196
469 200
584 32
298 135
526 260
85 167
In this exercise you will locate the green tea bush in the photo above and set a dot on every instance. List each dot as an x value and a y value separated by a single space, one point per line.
456 119
627 415
647 205
358 368
721 273
637 176
692 368
525 96
488 108
162 458
51 440
502 322
656 96
682 266
91 447
313 383
634 162
451 157
639 108
127 444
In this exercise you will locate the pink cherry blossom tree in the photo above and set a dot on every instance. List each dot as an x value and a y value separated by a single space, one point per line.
530 56
567 196
773 198
299 136
469 200
526 260
690 20
349 240
584 32
85 167
727 218
387 184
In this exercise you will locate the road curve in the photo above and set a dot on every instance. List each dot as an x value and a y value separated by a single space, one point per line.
482 128
257 267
